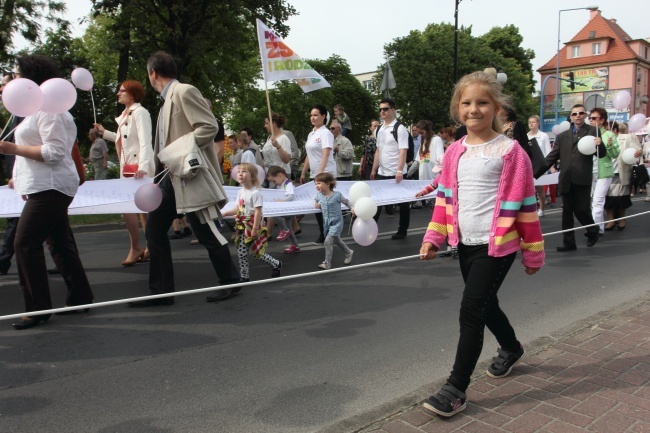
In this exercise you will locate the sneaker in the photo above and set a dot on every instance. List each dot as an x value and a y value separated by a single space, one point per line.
275 272
194 242
646 199
176 235
293 249
283 235
446 402
416 205
540 213
348 258
398 235
187 232
454 253
320 240
503 363
325 265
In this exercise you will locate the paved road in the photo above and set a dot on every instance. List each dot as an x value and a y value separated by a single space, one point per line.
296 356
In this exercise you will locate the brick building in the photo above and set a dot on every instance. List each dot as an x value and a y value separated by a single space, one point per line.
604 59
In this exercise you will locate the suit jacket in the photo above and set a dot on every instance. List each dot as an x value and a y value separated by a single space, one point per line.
577 169
186 112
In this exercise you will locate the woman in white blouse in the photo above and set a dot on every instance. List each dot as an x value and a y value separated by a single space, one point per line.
133 145
277 149
46 177
320 158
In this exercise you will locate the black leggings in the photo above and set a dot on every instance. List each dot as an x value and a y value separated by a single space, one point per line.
483 276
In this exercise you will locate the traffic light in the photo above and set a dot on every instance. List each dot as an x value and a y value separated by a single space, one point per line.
572 84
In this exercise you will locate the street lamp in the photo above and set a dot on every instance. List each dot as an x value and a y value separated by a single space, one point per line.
456 41
557 68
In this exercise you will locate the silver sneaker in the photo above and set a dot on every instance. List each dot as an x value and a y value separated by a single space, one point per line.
348 258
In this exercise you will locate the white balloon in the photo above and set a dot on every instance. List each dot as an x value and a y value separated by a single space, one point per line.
636 122
365 208
555 129
59 96
587 145
82 78
359 190
564 126
628 156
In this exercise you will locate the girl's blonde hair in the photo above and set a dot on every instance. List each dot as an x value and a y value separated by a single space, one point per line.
491 86
252 170
326 178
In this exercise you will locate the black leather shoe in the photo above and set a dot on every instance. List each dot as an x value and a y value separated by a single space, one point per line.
151 302
565 248
592 241
221 295
70 312
53 271
398 235
30 322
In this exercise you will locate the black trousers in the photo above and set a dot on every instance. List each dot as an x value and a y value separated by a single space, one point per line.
7 248
45 219
483 276
404 210
577 201
161 268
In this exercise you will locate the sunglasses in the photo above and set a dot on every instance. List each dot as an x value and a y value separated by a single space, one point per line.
333 129
594 118
579 113
384 108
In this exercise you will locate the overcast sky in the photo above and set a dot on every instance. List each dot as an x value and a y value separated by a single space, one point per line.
357 30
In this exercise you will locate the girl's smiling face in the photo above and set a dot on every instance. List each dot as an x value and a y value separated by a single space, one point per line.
322 187
476 109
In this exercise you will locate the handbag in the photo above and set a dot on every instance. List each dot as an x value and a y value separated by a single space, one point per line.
129 170
537 158
639 174
78 162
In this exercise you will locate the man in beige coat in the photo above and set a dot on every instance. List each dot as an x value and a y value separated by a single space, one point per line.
184 113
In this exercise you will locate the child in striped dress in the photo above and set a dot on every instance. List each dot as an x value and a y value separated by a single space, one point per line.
486 206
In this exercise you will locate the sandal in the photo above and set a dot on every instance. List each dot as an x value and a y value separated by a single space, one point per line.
130 261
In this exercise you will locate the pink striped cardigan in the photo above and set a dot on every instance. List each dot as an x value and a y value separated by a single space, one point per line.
515 225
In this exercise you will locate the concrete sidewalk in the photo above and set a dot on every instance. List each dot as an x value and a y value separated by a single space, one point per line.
590 377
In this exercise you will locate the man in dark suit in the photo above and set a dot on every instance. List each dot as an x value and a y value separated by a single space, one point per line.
575 178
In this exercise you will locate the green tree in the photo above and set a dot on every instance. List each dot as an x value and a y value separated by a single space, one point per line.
288 99
23 17
426 94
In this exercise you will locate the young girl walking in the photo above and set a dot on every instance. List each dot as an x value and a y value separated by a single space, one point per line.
250 236
329 202
486 206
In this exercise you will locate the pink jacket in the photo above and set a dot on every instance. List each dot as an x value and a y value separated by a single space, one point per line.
515 225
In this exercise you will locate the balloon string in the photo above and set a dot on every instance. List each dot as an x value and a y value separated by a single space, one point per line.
8 122
165 172
93 101
9 133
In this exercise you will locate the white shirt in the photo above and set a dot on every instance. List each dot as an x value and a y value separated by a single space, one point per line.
542 140
249 199
389 149
318 140
272 155
248 156
56 134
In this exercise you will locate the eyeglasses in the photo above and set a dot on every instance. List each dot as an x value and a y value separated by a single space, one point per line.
384 108
121 91
594 118
579 113
333 128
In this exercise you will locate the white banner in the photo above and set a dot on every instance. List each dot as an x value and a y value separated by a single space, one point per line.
279 62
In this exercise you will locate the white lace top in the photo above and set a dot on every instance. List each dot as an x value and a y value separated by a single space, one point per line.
479 171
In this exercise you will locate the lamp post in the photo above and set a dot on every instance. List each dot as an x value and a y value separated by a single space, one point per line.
456 41
557 68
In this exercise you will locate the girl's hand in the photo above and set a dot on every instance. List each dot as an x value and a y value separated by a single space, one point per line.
427 252
317 205
418 194
255 232
531 271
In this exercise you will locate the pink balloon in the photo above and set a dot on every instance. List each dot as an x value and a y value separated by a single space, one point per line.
22 97
636 122
233 172
82 78
621 100
59 96
148 197
364 232
261 174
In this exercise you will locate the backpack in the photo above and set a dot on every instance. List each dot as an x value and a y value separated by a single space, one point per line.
410 153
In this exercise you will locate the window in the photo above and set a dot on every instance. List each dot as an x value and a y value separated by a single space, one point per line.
575 51
595 49
592 34
367 85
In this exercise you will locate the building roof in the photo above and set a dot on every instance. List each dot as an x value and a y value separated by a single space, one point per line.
604 28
